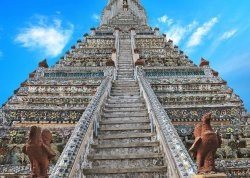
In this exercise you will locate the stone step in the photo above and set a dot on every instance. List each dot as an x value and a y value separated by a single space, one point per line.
125 74
127 161
127 66
126 136
125 56
125 93
125 156
126 97
115 132
125 114
127 140
125 52
132 109
126 88
124 105
125 61
134 100
124 121
120 100
125 70
120 85
124 128
136 112
120 171
125 78
129 79
125 100
126 145
125 150
131 82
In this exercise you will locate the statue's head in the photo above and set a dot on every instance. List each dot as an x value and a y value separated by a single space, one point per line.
207 117
46 136
35 135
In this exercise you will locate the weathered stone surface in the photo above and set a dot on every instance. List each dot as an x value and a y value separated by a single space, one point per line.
216 175
125 143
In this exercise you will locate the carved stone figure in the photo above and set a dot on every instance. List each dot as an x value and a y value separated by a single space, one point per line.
39 151
205 145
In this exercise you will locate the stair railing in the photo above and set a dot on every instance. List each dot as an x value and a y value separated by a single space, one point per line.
74 156
117 47
178 159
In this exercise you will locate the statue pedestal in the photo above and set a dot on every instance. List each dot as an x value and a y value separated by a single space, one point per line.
216 175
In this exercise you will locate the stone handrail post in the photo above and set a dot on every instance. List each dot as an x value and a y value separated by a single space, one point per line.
179 161
117 47
74 156
133 47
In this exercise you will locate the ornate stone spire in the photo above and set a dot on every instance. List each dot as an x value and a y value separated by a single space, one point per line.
130 13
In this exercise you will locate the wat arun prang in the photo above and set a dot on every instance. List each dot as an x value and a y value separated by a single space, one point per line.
56 97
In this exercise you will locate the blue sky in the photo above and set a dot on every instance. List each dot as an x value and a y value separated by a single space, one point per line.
218 30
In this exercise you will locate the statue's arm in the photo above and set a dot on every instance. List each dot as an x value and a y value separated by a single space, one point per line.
195 145
51 153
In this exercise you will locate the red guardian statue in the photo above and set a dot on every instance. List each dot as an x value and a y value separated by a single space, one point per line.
205 145
39 151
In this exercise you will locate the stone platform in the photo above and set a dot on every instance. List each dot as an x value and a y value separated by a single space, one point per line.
217 175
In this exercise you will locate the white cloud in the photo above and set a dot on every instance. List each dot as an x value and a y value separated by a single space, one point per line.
51 38
197 36
96 17
166 20
235 63
177 32
228 34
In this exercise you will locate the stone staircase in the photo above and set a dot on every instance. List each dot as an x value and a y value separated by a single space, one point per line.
125 65
125 146
124 17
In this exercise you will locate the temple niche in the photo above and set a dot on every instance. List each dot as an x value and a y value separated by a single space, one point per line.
56 97
125 5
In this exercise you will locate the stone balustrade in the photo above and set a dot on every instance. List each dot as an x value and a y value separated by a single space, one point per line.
72 159
176 155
